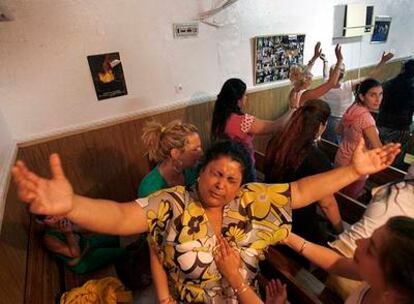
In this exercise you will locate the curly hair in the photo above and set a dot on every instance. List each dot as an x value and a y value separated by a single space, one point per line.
159 140
226 104
286 151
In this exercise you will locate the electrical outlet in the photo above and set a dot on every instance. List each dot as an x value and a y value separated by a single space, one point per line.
182 30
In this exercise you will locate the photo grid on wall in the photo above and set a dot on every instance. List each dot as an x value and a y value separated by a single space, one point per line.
275 54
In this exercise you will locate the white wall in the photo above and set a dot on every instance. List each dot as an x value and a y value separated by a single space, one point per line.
46 86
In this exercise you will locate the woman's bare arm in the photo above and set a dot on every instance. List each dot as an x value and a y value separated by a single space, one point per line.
329 207
326 86
55 196
372 137
159 277
315 187
323 257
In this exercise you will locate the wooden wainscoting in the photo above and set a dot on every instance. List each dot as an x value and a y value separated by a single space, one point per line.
13 249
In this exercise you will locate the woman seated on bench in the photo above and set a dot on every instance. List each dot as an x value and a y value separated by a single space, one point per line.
293 154
176 149
230 121
357 123
80 252
184 225
384 261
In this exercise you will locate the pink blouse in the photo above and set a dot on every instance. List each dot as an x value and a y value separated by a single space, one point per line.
355 120
238 128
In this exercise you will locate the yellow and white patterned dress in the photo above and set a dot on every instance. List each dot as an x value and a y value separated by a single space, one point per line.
259 216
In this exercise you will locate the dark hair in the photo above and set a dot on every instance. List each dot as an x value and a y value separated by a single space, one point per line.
226 104
396 257
364 87
236 151
398 185
286 152
408 68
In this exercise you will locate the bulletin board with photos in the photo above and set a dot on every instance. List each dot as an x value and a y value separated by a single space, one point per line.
275 54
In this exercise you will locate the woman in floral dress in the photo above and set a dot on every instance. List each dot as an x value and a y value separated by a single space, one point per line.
184 226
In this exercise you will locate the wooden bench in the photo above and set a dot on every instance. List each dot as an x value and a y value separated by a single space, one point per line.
380 178
351 210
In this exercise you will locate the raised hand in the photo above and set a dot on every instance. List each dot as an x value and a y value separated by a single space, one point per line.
338 53
386 56
45 196
371 161
317 51
276 292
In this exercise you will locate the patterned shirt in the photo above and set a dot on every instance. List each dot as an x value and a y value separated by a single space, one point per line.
238 129
178 226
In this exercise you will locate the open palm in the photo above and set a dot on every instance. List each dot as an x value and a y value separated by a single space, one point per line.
371 161
45 196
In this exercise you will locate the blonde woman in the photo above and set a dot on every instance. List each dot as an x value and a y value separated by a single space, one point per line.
301 78
176 148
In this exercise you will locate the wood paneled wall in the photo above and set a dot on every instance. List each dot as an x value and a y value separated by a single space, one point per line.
109 163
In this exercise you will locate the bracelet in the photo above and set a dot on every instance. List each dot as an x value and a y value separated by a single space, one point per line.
303 246
241 289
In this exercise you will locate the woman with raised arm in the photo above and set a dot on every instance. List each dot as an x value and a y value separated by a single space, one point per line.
301 78
384 261
230 121
356 123
184 225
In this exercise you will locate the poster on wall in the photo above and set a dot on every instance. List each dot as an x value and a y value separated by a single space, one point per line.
275 54
108 76
381 29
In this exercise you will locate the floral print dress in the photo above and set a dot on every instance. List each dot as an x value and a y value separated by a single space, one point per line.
259 216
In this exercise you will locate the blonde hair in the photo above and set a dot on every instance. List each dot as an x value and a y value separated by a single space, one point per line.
159 140
298 73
